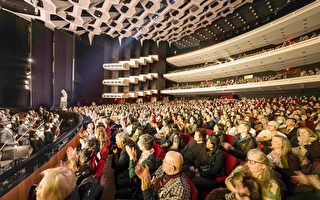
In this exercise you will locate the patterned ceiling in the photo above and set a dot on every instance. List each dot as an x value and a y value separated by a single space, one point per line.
159 20
187 24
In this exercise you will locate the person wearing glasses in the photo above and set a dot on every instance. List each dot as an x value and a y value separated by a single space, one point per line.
168 182
257 167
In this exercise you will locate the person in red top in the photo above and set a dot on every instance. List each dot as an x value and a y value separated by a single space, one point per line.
104 142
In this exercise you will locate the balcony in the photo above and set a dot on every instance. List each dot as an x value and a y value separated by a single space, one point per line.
116 66
298 54
304 20
304 82
115 95
118 82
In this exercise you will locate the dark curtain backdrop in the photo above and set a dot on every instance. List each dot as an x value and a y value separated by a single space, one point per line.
63 60
42 64
89 71
13 60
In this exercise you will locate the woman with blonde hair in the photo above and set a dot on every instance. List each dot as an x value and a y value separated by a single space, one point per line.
57 184
283 160
308 149
101 135
259 168
281 155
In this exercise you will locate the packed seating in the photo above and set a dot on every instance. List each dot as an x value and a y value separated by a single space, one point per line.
241 80
25 133
192 148
248 54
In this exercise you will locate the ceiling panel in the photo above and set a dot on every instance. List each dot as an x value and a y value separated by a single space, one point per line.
289 27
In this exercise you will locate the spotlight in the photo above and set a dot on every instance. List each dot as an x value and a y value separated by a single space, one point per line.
30 60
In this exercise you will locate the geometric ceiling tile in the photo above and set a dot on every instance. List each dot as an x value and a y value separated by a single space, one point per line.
163 20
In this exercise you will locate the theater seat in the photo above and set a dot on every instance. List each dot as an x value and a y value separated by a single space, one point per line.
208 131
193 190
228 138
5 165
186 138
158 152
230 163
261 146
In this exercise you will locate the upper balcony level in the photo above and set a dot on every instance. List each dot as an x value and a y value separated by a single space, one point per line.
132 63
116 66
290 26
131 94
119 82
297 54
304 82
125 81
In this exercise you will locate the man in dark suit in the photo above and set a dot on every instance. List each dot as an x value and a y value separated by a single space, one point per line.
7 136
291 131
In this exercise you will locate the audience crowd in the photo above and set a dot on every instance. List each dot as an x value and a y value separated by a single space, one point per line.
32 129
242 80
250 53
196 149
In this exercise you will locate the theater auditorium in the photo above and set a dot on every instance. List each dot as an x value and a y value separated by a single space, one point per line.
159 99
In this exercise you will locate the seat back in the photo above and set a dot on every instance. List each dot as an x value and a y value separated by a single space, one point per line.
158 151
8 153
230 163
208 131
33 192
228 138
21 152
186 138
193 189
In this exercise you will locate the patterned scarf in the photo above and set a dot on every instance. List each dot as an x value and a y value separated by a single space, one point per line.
145 155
